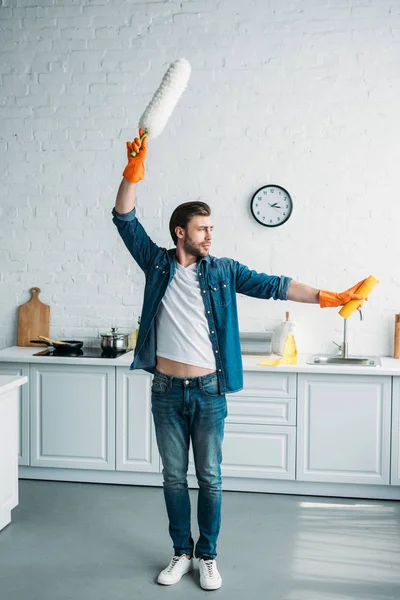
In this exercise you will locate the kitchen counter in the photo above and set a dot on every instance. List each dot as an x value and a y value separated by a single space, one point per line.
389 366
9 385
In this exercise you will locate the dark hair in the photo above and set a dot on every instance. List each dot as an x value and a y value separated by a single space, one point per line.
184 213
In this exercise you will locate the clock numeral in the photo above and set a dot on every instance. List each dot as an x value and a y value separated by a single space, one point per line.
259 198
270 220
272 190
284 214
279 218
258 212
263 218
265 192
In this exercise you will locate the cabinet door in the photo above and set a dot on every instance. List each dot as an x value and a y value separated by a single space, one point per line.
256 451
23 409
8 455
395 470
73 416
343 428
136 439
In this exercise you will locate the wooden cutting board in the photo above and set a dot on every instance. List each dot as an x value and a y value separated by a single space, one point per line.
33 320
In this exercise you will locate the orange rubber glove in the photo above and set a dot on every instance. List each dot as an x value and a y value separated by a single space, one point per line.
134 170
327 299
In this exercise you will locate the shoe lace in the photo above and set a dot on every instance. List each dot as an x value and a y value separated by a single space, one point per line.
209 564
174 561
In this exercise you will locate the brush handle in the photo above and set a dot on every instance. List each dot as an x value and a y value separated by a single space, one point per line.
133 153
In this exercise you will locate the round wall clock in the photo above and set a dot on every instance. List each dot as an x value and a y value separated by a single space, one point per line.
271 205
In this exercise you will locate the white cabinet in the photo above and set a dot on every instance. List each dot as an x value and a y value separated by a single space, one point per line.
395 471
135 438
72 416
8 446
260 429
23 409
259 451
343 428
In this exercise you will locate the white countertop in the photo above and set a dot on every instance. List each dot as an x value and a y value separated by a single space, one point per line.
19 354
10 382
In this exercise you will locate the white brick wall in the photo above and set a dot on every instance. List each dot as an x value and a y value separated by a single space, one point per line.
299 93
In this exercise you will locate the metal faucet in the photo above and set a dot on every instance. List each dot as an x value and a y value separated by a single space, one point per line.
343 347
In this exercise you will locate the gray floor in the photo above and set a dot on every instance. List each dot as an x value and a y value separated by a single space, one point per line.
106 542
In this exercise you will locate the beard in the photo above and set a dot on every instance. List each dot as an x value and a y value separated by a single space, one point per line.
193 249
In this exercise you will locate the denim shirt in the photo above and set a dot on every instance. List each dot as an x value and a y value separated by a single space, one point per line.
220 280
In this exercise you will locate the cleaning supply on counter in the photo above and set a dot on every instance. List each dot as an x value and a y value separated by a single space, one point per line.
290 349
365 288
280 334
284 345
137 330
272 360
396 353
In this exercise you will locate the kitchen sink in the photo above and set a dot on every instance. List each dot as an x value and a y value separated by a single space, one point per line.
359 361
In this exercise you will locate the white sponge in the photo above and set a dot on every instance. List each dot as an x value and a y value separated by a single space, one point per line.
171 88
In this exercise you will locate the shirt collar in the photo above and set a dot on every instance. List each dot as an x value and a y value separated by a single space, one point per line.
172 256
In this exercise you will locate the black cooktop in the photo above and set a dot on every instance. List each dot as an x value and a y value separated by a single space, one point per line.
82 353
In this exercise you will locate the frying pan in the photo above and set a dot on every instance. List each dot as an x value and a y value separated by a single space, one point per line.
60 345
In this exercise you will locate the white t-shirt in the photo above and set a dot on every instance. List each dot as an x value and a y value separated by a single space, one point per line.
181 324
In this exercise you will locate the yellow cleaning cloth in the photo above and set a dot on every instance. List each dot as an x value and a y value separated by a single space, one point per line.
272 361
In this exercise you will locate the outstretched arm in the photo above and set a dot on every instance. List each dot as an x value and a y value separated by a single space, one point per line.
299 292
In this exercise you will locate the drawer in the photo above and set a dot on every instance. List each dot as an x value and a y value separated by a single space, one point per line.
257 451
259 410
268 385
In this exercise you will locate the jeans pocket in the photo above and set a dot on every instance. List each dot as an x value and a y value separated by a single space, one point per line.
159 386
211 388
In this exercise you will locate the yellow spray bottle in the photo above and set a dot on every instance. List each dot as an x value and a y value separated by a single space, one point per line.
290 348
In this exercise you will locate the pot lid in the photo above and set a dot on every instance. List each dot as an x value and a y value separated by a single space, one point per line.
114 334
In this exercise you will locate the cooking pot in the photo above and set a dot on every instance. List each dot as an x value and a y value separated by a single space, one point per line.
114 341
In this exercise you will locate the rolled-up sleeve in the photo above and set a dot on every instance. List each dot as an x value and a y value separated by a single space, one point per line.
261 285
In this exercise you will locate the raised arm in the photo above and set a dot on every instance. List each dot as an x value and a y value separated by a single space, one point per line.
135 238
134 172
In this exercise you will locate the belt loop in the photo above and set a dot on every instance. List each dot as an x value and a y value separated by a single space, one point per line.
170 378
200 382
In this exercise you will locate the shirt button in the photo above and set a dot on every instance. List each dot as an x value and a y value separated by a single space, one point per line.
204 291
216 352
215 289
220 370
208 312
212 332
186 381
224 285
199 273
156 266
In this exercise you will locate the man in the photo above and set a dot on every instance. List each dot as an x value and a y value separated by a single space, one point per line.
189 340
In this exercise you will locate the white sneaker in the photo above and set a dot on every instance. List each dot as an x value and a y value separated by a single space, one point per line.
210 579
178 566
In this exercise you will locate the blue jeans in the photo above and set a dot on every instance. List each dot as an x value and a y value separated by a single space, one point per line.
184 409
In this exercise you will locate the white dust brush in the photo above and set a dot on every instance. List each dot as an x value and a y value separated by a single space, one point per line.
162 104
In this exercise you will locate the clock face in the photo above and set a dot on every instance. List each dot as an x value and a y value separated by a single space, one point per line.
271 205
